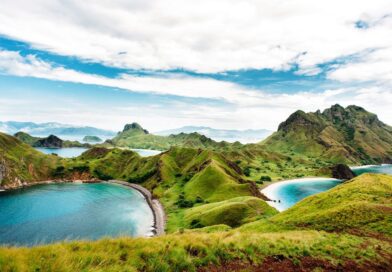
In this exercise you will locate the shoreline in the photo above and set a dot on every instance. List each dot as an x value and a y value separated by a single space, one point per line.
270 190
154 204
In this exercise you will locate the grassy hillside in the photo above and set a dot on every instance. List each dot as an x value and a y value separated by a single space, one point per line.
340 135
21 163
233 212
223 251
362 206
181 177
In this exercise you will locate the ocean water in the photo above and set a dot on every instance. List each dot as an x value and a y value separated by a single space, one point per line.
55 212
291 191
384 168
71 152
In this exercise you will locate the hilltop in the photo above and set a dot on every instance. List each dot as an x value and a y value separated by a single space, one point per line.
339 135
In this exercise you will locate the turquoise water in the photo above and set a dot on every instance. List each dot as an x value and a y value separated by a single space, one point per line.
71 152
55 212
290 192
384 168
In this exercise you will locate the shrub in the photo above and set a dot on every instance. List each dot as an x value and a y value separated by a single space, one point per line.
265 178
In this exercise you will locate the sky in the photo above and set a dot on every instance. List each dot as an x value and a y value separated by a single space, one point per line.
169 63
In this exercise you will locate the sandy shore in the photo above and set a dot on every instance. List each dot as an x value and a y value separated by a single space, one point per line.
271 190
155 205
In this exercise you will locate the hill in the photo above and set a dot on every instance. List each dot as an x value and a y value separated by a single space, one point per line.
361 206
340 135
51 141
181 177
228 135
19 163
134 136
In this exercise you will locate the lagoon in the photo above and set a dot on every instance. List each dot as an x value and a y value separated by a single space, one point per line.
54 212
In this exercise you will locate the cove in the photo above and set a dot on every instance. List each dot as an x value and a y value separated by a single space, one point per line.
55 212
290 192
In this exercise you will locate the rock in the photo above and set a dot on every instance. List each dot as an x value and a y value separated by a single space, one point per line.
50 142
134 126
342 171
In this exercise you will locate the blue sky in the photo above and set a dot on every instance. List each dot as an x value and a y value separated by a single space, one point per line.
225 65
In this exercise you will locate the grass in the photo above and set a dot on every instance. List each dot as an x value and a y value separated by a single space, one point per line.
232 212
191 251
362 205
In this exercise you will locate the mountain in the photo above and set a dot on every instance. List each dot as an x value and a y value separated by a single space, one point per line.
243 136
51 141
340 135
134 136
63 130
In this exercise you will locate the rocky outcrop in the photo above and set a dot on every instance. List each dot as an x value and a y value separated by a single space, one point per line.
342 171
134 126
50 142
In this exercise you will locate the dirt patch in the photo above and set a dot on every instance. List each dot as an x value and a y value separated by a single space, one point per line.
279 263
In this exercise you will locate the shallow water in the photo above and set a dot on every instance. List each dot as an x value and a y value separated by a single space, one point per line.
290 192
384 168
55 212
68 152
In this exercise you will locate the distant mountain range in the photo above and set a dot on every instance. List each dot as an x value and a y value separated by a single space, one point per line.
65 131
243 136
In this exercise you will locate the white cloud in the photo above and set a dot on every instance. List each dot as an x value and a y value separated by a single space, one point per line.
246 108
203 35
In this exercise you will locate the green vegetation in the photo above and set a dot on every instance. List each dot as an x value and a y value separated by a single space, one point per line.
363 205
92 139
134 136
232 212
51 141
217 218
340 135
21 163
197 251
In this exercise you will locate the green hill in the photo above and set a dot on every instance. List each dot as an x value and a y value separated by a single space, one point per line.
233 212
181 177
21 163
339 135
51 141
362 206
134 136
